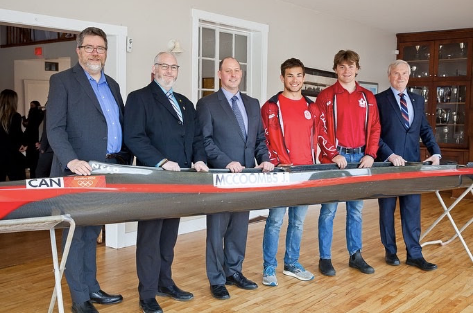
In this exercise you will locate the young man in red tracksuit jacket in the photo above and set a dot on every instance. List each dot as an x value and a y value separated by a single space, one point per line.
288 120
349 132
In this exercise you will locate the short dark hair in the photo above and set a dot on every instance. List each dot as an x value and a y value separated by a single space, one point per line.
346 56
36 103
91 31
291 63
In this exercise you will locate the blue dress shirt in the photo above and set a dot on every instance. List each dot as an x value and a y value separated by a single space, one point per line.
109 107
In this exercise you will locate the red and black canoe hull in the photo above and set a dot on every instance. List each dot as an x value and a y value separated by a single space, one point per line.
115 193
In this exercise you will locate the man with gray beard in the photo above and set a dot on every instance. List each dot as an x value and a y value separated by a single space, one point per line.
84 118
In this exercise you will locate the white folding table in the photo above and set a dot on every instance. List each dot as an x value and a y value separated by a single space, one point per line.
447 214
46 223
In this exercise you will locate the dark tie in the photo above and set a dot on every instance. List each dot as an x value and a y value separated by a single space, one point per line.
238 116
174 105
404 110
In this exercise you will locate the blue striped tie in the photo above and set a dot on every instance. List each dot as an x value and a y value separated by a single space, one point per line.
404 110
238 116
174 105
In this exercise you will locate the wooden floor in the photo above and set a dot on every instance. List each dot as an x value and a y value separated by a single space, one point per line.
27 287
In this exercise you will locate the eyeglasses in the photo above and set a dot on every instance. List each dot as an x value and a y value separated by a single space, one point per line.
165 66
90 49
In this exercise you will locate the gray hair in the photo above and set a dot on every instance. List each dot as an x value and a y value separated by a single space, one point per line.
397 63
156 58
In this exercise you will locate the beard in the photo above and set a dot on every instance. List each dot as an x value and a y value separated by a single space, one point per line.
94 67
166 82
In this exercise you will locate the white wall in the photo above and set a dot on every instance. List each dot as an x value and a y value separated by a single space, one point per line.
33 69
293 32
50 51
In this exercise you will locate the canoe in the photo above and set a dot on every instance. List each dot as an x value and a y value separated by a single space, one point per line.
118 193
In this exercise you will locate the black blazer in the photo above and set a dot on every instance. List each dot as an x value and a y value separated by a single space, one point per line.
395 138
152 130
75 123
223 139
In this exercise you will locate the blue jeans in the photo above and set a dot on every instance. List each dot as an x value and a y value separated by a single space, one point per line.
353 221
293 236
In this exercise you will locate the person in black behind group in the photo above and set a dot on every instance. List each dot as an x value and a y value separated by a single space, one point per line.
161 130
11 136
45 160
32 123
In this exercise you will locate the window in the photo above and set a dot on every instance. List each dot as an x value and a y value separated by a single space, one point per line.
215 43
216 37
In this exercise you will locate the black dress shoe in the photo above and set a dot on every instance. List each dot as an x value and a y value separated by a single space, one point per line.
85 307
392 259
240 281
357 261
219 292
150 306
175 293
101 297
422 264
326 267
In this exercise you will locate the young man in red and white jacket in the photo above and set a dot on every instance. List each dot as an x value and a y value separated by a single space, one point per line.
349 132
288 120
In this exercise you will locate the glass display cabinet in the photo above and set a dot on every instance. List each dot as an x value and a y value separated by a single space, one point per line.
441 71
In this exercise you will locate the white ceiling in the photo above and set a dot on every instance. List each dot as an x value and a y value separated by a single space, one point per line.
399 16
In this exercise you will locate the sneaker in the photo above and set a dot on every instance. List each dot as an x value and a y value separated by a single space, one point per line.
326 267
269 276
356 261
298 271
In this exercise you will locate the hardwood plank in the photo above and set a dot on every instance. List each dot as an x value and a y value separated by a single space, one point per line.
27 287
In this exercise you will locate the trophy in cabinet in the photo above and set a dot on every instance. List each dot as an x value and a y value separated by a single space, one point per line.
413 71
455 117
417 52
447 94
440 94
454 97
462 49
425 94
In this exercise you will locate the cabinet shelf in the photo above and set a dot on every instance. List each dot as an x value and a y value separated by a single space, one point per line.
452 60
449 124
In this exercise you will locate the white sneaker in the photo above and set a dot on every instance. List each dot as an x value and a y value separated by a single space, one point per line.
298 271
269 276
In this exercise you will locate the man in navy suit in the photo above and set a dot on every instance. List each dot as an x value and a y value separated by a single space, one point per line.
161 130
84 118
399 143
233 138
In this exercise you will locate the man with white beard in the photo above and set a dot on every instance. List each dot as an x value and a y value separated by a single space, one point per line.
161 130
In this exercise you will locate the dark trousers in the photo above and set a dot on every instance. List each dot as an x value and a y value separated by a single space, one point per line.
13 167
43 168
410 221
154 254
32 156
81 267
226 245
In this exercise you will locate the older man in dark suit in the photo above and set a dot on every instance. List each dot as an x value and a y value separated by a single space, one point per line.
84 115
403 122
233 138
161 130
